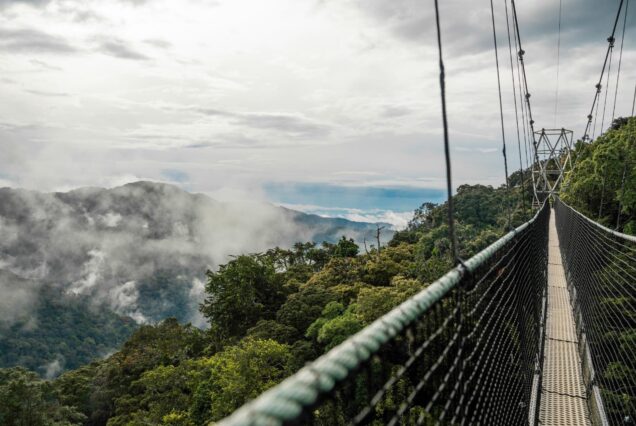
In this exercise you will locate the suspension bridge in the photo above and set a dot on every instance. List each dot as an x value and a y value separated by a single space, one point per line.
538 328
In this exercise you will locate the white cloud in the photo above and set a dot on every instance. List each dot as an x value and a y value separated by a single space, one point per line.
306 89
397 220
53 368
92 273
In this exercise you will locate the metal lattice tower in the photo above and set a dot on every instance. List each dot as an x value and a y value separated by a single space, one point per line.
552 158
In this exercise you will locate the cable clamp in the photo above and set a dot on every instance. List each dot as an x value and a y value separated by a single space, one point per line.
463 268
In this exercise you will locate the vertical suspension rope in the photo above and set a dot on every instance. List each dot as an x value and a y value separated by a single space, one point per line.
514 94
503 132
600 206
598 93
556 96
449 183
620 60
634 101
620 201
609 73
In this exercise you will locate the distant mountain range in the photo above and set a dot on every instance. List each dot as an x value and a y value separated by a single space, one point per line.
106 256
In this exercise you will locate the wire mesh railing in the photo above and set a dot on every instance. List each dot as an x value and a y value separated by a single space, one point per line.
600 266
465 350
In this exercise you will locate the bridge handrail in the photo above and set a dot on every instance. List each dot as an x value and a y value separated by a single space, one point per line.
286 401
627 237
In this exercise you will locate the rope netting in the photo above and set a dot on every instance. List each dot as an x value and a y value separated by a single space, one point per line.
465 350
600 267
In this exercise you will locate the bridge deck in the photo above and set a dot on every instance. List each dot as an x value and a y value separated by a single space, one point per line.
563 398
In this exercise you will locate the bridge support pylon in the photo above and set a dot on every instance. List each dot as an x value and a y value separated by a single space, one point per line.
552 160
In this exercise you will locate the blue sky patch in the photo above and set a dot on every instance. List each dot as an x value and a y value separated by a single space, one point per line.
400 199
175 175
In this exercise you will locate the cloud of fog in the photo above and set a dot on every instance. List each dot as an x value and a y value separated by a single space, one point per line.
17 298
53 368
397 219
141 249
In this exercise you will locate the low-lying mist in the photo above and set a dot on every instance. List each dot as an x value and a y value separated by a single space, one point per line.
141 249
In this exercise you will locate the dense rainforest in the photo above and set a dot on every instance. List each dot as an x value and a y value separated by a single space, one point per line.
271 312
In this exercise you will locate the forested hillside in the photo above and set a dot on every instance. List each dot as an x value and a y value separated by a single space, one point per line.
603 183
60 333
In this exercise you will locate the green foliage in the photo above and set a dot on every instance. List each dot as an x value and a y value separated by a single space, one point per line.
375 302
346 248
237 374
163 392
25 399
302 308
273 330
241 293
604 178
111 390
335 325
173 285
63 332
379 269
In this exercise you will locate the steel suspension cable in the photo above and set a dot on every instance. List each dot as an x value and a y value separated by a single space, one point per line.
526 92
609 74
620 60
501 116
598 91
556 96
449 184
521 52
514 95
600 80
620 200
526 129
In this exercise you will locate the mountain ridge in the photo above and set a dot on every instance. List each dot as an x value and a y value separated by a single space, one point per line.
136 251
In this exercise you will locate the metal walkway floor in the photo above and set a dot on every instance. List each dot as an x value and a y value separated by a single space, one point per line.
563 399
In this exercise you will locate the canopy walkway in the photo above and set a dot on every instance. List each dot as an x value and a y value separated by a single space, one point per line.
538 328
563 392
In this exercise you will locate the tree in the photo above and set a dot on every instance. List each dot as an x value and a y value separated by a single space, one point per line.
25 399
109 388
375 302
270 329
378 270
335 325
242 292
238 374
164 392
302 308
346 248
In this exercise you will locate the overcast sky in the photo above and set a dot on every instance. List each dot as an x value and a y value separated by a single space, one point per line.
221 96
